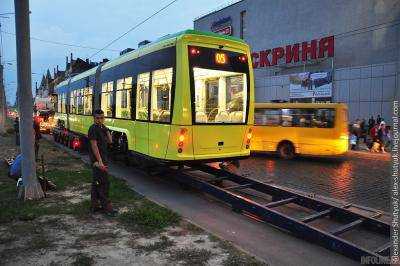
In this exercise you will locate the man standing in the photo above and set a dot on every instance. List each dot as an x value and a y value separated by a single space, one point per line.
100 138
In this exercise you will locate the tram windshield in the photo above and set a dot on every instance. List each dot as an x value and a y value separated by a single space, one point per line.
220 86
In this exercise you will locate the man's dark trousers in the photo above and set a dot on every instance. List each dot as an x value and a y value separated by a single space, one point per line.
100 187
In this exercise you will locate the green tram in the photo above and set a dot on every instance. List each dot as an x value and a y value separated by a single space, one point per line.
186 97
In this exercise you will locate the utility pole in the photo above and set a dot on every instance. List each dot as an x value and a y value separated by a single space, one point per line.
2 102
2 98
31 188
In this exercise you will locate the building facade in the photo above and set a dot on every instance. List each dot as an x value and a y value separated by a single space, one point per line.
319 50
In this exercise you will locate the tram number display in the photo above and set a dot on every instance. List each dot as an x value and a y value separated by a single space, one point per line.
221 58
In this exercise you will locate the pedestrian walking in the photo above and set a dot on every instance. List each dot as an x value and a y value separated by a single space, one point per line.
379 119
353 141
382 137
16 130
371 123
38 136
100 138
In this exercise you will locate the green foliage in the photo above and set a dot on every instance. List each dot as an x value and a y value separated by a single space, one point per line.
149 217
121 193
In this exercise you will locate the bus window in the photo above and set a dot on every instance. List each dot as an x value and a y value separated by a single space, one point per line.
142 96
123 98
267 117
161 95
107 99
324 118
220 96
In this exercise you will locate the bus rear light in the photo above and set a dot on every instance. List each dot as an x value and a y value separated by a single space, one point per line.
249 136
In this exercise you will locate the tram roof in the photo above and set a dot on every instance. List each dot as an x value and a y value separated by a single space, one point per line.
165 41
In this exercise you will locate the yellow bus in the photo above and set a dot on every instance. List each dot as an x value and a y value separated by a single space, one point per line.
300 128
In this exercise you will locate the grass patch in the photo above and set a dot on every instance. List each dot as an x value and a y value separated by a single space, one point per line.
121 194
100 238
190 256
82 259
239 259
39 241
159 246
65 179
149 217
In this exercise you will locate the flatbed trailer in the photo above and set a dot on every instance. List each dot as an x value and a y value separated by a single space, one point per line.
304 216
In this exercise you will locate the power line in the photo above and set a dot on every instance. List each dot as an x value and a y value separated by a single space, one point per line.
134 27
63 44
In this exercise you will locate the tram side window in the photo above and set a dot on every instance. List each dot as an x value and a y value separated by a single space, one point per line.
87 100
161 95
107 99
63 103
142 96
123 98
59 103
267 117
79 101
72 102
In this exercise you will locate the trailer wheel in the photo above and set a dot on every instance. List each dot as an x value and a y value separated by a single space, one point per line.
286 150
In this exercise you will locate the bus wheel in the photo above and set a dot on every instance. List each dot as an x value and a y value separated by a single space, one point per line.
286 150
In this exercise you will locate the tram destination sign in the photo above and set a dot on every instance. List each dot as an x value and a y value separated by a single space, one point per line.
293 53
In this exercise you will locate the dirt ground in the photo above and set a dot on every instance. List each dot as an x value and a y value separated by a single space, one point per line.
59 230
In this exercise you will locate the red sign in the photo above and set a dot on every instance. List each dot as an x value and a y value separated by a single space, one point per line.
224 31
292 53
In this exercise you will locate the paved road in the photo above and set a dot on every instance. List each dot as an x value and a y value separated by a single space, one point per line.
359 177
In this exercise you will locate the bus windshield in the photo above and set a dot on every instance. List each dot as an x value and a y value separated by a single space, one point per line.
220 86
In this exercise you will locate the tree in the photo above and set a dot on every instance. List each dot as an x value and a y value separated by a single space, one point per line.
31 187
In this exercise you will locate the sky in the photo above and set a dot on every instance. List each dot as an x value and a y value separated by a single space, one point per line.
91 23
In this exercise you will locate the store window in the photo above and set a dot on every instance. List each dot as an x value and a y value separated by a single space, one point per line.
142 96
123 98
107 98
220 96
161 95
88 100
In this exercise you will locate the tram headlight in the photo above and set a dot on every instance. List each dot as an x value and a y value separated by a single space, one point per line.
181 139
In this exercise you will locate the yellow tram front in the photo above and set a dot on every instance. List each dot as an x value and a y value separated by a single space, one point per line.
215 93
